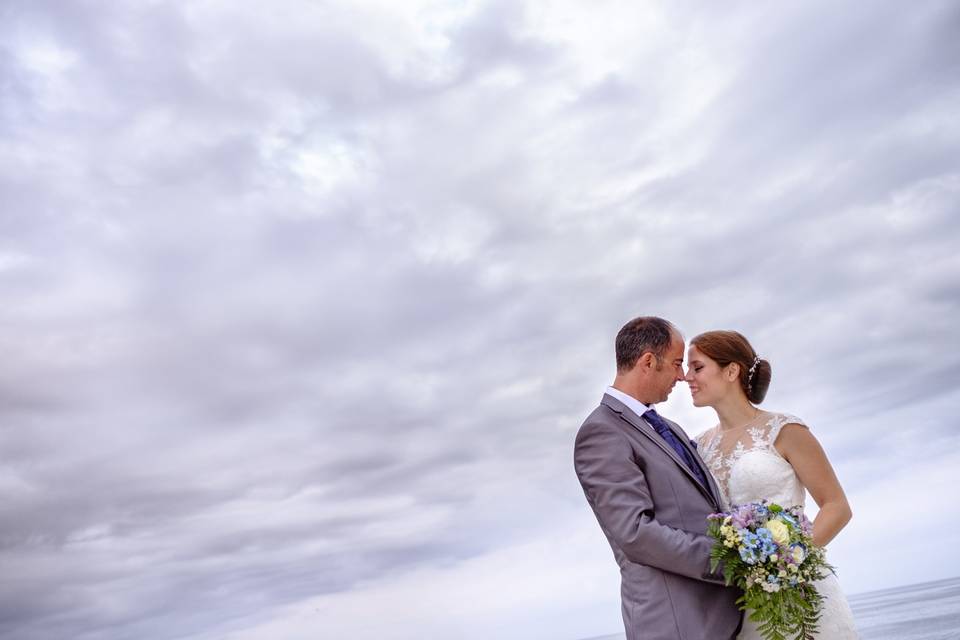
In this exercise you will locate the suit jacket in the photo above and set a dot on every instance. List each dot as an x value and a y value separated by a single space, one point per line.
653 512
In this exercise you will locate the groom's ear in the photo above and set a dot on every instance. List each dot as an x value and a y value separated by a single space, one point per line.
647 360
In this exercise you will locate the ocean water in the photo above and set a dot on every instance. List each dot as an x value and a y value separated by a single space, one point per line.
928 611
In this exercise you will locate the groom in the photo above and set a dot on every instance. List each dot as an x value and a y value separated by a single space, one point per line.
652 494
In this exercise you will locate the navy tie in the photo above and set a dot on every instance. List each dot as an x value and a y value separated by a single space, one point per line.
667 434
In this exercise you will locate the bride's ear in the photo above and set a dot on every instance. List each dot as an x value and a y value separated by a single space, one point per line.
732 371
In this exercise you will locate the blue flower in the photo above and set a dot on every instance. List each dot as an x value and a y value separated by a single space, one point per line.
765 544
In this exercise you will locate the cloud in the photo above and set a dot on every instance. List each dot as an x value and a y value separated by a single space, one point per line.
304 308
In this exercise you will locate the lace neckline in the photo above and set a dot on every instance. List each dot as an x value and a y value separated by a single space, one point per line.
721 431
721 449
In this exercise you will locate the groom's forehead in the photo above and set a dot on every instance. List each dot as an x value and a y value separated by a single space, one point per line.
677 347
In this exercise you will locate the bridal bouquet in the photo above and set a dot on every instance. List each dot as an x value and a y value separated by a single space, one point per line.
768 552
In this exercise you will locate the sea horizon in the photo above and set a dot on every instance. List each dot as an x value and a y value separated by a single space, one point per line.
918 611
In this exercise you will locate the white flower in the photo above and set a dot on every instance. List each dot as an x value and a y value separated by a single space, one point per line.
779 531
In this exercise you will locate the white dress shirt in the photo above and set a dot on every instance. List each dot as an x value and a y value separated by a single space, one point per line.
632 403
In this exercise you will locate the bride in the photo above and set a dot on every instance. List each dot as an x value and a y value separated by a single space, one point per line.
761 455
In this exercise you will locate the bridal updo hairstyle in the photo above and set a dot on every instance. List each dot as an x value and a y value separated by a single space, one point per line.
724 347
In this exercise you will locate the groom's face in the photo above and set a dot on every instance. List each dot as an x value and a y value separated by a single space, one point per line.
671 369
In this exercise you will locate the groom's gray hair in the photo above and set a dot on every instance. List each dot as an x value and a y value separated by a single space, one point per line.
640 335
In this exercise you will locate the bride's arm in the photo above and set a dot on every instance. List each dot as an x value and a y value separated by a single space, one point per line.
804 453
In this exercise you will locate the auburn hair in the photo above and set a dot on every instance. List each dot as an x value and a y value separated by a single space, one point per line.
726 347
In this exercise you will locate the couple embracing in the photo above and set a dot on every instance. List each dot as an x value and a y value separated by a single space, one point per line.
652 488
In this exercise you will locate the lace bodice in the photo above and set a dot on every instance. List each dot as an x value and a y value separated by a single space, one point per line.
748 468
746 465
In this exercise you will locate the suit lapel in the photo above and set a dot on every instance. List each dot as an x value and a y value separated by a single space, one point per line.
641 425
714 489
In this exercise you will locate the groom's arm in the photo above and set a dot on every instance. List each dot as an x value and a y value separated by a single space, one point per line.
617 489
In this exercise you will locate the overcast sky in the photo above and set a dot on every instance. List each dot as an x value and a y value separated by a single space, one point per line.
304 302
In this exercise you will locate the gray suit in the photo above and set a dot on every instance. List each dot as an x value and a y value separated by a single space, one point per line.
654 513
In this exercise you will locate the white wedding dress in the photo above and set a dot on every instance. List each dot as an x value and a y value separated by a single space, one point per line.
748 468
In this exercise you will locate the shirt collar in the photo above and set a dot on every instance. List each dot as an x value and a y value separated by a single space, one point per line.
632 403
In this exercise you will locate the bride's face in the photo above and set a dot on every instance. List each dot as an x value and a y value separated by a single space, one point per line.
707 380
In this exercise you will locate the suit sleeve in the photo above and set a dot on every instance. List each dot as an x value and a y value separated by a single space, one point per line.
617 490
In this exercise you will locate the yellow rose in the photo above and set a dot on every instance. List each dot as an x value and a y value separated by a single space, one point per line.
779 531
